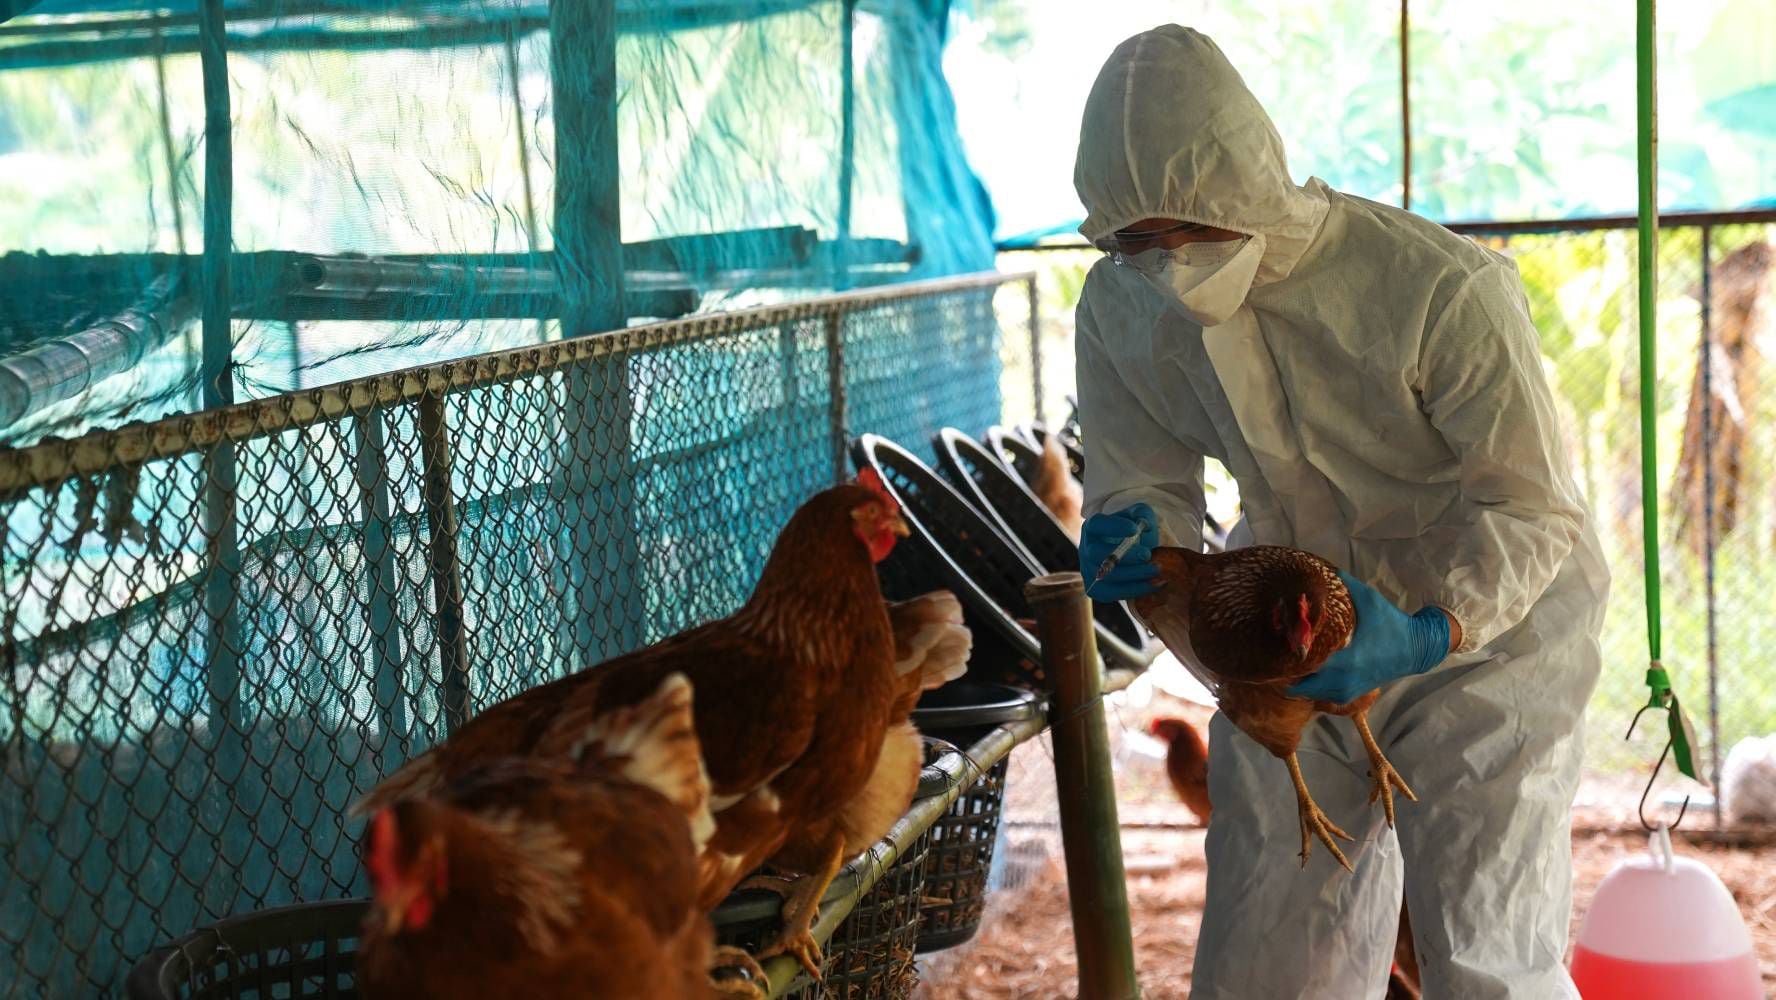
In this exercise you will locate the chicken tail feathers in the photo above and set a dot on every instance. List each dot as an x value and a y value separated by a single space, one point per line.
930 639
654 744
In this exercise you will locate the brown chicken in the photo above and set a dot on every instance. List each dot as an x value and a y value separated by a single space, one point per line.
1054 485
533 877
1187 764
1259 619
796 689
931 649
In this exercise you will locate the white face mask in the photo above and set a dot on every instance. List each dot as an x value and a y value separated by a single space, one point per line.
1205 281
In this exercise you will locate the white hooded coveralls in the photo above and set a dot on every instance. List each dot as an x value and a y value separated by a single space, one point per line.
1380 401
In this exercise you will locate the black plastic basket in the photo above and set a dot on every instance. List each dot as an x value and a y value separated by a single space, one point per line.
291 952
870 954
963 839
954 547
1006 499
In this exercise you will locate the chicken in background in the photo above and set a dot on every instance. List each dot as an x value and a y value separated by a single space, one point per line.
931 647
1054 485
1259 619
797 689
533 877
1187 763
1403 981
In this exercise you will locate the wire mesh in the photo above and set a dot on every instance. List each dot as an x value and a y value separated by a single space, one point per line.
223 628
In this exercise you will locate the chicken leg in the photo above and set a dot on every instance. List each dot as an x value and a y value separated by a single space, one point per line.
801 904
1313 821
735 975
1386 778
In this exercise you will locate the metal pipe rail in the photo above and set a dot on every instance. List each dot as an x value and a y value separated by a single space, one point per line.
58 460
1530 227
64 367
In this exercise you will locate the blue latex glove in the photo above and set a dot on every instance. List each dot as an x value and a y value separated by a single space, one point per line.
1388 644
1134 575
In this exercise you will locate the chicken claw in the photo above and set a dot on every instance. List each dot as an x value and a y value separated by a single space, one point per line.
735 975
801 905
1386 778
1313 821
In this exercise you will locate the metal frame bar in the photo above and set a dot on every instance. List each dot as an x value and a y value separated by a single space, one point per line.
838 407
1405 105
223 643
847 131
1538 227
1708 537
594 453
371 469
447 587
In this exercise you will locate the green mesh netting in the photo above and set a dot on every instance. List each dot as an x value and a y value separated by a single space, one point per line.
741 170
222 625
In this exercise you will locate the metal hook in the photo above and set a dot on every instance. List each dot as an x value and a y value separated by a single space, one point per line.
1651 778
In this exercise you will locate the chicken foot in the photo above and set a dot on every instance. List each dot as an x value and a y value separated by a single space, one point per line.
1313 821
735 975
1386 778
801 905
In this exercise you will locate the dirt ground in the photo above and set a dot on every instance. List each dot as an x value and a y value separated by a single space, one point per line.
1025 948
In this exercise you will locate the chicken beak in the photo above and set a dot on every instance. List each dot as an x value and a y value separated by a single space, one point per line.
898 526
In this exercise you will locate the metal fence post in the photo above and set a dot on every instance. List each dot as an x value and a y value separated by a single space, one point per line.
1035 351
379 559
1708 540
222 557
838 417
440 508
1091 835
608 596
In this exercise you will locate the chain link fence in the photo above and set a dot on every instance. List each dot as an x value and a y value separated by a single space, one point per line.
1717 448
221 629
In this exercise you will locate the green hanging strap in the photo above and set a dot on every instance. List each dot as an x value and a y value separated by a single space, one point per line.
1658 681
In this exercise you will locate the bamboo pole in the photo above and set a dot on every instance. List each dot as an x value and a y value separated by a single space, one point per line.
1090 834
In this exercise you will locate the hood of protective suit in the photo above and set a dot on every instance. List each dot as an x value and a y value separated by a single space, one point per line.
1171 132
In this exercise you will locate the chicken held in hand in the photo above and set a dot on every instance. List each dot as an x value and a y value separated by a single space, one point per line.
532 877
1259 620
1187 764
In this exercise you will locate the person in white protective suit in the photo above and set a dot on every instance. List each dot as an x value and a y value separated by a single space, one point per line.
1373 383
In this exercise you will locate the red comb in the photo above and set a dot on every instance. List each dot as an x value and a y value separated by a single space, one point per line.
870 480
381 860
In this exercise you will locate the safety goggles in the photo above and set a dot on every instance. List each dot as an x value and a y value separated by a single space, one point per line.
1124 247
